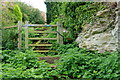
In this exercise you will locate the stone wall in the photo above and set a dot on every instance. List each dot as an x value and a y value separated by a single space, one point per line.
103 34
118 25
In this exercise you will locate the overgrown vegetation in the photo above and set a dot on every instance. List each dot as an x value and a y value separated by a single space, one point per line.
82 63
73 15
9 39
16 64
74 63
33 15
12 12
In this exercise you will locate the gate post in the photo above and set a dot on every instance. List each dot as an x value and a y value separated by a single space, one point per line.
60 30
58 36
26 34
19 34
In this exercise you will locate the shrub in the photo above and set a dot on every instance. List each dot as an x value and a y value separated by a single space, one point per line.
17 13
9 38
11 14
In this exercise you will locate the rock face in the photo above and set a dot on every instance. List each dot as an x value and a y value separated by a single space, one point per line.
102 35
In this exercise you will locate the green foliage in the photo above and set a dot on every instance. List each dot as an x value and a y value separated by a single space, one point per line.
52 10
8 17
61 48
11 14
18 64
17 58
68 38
74 15
17 13
25 11
74 63
9 39
33 15
82 63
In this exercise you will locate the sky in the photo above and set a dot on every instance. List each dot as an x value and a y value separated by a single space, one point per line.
36 4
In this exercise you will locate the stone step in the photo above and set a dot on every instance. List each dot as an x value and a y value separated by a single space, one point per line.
49 59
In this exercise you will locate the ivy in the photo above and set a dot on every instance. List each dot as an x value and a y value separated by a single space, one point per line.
74 15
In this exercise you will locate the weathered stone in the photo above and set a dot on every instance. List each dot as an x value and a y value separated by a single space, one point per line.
87 35
86 27
100 13
118 4
118 13
98 30
102 36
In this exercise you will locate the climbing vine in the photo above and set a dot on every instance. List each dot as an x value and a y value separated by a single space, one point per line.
74 15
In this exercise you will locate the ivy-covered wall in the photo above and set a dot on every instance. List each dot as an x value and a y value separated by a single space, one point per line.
52 10
103 34
74 15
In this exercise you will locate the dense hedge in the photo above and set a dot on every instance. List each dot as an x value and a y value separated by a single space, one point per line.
11 14
33 15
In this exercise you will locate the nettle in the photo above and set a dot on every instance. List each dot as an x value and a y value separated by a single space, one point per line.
74 63
18 64
89 64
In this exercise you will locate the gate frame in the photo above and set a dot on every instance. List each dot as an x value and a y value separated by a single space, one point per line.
59 32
